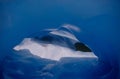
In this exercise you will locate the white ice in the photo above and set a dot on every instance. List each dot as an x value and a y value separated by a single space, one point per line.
50 51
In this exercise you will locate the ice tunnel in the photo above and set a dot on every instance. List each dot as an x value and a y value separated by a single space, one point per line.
59 39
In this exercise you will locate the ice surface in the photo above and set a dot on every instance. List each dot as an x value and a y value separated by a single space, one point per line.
49 59
99 22
54 56
50 51
22 64
54 50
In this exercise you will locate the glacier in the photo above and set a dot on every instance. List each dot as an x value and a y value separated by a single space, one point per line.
98 20
53 56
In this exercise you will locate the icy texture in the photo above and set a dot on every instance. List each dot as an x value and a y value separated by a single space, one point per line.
36 58
99 23
50 48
